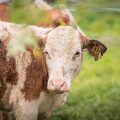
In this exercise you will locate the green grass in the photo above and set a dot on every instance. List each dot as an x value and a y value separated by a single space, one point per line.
95 93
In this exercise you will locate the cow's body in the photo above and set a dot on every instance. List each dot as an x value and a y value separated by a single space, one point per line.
23 82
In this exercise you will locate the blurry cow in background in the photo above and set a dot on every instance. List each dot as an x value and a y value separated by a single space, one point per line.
52 17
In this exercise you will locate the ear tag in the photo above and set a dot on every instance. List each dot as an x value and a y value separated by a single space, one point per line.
62 23
97 53
37 52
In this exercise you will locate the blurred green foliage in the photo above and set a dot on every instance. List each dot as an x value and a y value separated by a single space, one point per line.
60 2
97 21
104 3
25 12
26 39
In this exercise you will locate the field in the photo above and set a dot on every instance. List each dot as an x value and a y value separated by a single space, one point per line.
95 93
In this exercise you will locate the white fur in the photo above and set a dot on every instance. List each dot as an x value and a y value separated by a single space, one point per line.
17 29
62 44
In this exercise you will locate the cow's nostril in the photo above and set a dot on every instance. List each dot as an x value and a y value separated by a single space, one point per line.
62 83
63 86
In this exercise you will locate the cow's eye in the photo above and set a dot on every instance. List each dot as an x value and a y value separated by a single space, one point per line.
46 53
76 54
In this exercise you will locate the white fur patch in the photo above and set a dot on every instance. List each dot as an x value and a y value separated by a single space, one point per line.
48 102
62 44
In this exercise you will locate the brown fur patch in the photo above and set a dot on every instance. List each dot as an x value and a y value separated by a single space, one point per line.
54 16
2 89
4 13
7 69
36 78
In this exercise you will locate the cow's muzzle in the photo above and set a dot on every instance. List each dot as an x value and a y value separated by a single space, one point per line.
58 86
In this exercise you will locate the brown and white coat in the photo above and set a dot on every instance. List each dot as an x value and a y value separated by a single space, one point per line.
23 79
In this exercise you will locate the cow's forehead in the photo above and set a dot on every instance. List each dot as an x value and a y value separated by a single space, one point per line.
63 38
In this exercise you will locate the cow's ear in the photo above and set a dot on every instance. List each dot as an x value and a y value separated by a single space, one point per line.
44 37
94 47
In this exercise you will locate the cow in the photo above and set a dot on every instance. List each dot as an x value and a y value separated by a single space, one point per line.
53 15
32 87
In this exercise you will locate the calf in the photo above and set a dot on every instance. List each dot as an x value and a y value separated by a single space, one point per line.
32 87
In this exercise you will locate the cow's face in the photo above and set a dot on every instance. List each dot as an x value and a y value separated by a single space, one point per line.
63 56
63 50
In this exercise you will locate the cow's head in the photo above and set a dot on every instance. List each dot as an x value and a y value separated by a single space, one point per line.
64 52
